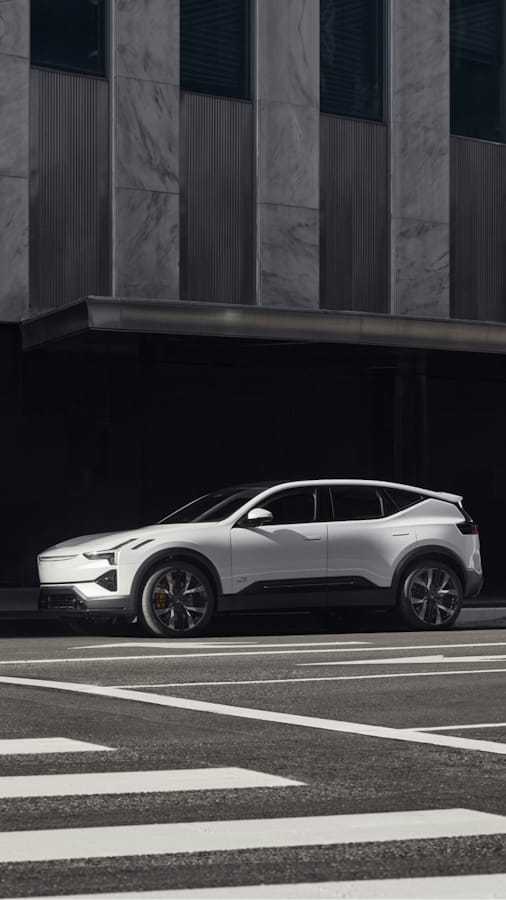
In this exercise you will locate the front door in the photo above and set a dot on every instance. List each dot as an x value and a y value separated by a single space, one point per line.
283 564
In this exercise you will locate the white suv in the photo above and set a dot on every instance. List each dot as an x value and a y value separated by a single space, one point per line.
332 543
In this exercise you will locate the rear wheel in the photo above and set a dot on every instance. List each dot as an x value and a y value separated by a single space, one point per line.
177 600
430 595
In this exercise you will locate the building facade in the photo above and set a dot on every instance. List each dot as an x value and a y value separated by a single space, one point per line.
243 239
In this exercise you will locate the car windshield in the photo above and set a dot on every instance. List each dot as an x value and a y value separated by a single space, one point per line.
212 507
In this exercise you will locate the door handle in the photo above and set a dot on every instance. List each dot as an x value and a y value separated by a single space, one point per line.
308 538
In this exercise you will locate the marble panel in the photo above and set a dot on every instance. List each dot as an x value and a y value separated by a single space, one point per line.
147 244
14 92
421 169
420 59
289 256
147 39
288 152
14 265
147 135
420 268
288 51
15 27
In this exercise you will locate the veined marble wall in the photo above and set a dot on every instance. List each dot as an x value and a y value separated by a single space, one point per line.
146 148
287 99
420 157
14 168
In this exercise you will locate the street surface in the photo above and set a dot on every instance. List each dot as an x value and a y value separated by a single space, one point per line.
314 759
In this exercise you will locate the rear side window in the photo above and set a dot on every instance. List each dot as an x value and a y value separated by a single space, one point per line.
402 499
356 502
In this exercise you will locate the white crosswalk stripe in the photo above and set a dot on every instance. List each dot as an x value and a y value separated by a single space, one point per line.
456 887
93 783
244 834
23 746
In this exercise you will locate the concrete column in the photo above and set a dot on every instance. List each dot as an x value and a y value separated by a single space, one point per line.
420 157
14 155
287 97
145 169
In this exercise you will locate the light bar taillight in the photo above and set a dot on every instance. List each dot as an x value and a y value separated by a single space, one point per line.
468 528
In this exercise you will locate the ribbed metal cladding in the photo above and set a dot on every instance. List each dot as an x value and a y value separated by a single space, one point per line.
217 207
69 188
353 215
478 230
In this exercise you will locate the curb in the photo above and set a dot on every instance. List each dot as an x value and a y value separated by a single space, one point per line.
482 617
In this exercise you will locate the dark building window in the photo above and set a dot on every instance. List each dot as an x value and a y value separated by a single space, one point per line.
477 69
215 47
352 58
70 35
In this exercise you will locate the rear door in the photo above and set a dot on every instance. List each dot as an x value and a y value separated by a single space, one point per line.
282 564
366 540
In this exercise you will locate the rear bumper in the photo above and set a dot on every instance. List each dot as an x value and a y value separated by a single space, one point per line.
67 600
473 584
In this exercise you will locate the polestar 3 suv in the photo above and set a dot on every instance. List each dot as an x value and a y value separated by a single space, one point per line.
276 546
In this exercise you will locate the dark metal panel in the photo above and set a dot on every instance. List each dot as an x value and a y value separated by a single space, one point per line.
478 230
353 215
217 201
69 188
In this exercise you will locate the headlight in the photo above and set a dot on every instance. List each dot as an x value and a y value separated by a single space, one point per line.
108 555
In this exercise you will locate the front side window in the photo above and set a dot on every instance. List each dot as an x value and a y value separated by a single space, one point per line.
356 502
294 507
352 58
477 69
215 47
69 35
211 507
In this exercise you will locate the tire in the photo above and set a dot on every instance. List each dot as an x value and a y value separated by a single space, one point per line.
163 610
430 595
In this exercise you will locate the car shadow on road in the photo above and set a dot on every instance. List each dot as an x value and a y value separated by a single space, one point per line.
232 626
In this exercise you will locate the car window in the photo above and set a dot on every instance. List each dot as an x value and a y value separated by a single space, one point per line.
212 507
356 502
403 499
292 507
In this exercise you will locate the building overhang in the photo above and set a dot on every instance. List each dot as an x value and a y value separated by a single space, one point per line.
255 323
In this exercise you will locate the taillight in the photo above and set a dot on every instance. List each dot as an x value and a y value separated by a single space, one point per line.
468 527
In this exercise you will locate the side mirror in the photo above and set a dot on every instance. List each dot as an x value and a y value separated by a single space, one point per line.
259 516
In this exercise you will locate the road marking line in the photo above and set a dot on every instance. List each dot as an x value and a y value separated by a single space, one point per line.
463 727
244 834
264 715
174 645
408 660
178 684
444 887
22 746
171 656
161 782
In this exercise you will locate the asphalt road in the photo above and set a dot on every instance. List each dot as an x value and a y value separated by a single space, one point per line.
394 729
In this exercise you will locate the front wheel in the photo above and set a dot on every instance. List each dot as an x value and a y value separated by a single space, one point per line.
430 595
177 600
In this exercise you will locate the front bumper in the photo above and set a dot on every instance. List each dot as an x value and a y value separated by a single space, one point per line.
68 600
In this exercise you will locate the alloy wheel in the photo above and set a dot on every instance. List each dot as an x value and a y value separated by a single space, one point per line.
433 594
179 599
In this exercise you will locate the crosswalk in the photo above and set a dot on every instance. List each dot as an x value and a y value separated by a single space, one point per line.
50 845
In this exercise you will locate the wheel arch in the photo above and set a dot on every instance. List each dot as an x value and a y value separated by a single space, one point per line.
442 554
182 554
